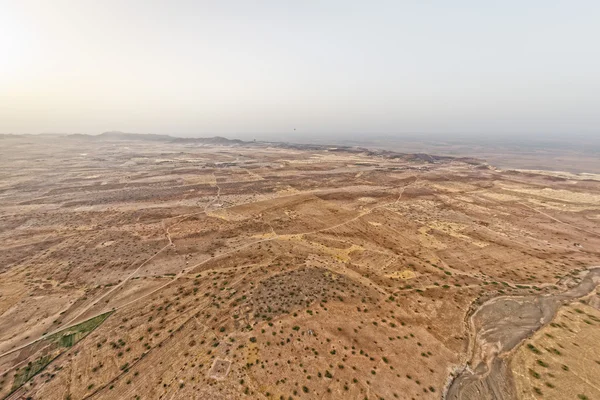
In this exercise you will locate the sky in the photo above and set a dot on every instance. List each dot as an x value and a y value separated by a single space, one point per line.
283 68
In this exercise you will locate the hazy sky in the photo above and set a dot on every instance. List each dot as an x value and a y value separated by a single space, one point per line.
242 68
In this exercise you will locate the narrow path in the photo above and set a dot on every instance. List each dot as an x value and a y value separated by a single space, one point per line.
558 220
71 322
115 287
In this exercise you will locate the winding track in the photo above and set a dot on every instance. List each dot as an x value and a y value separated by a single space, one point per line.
72 322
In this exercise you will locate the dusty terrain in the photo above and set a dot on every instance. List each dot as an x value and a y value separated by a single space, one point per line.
558 361
154 268
500 325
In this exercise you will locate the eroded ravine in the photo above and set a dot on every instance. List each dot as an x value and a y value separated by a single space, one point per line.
496 328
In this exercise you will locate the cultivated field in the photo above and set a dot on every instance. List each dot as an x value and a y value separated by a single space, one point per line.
174 269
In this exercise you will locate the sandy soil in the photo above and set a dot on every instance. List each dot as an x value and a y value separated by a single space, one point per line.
254 271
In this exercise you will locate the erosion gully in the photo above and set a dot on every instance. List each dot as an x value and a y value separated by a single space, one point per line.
496 328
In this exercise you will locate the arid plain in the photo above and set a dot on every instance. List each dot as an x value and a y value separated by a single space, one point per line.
162 268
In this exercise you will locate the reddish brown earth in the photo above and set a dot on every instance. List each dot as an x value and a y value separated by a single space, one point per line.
260 271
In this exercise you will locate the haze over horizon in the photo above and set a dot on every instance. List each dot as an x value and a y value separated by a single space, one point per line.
318 199
270 69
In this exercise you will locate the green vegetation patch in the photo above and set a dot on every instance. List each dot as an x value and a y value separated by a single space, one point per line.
75 333
24 374
65 338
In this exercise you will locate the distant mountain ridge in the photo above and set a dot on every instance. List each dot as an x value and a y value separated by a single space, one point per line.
117 135
222 141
